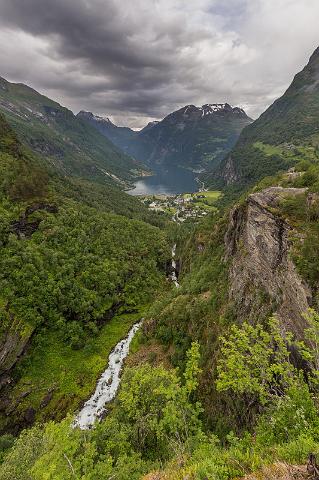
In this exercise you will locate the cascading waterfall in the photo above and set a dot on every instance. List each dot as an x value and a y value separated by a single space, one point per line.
107 385
110 379
173 275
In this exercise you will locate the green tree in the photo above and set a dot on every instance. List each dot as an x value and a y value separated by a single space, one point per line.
192 370
255 361
20 459
156 407
310 350
289 416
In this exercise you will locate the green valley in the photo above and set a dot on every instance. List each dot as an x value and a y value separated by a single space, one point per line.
221 381
69 264
68 143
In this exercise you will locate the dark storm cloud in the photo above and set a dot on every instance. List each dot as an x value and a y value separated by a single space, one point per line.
94 31
133 60
140 59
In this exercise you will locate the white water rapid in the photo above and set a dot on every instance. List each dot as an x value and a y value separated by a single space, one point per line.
107 385
173 275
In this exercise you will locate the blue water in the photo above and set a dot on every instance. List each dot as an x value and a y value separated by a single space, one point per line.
166 181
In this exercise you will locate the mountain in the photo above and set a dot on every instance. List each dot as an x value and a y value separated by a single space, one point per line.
286 132
149 125
67 142
192 137
118 135
221 380
78 260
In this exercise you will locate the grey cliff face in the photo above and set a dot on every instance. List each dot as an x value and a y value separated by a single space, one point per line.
230 175
263 278
12 346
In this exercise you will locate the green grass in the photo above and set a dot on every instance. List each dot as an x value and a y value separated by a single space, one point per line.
211 195
298 152
268 149
72 374
170 210
207 203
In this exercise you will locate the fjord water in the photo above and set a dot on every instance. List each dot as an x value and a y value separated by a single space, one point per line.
167 181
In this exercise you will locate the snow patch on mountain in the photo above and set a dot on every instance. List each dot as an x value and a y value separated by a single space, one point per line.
97 118
212 108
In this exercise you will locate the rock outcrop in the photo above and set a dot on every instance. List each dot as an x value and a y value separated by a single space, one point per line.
263 278
229 173
13 343
23 227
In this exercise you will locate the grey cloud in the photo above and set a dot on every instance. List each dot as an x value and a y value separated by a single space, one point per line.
139 60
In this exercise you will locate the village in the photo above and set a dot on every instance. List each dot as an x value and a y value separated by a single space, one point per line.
182 207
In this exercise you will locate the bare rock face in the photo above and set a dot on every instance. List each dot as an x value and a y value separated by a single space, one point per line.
263 278
13 344
229 171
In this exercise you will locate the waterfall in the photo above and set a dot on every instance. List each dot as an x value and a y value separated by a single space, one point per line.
173 275
110 380
107 385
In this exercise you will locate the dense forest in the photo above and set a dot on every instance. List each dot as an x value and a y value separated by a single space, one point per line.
73 256
222 377
69 144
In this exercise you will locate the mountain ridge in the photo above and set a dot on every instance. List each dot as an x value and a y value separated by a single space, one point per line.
222 379
67 142
290 124
192 137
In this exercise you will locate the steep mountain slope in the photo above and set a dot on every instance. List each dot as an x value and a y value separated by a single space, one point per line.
75 272
120 136
68 143
246 392
287 130
254 261
156 423
192 137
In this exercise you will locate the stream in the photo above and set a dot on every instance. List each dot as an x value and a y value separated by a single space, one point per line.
95 408
107 385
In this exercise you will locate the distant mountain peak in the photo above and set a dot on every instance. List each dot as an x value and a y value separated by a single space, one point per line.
92 116
191 136
149 125
315 55
3 83
211 109
65 142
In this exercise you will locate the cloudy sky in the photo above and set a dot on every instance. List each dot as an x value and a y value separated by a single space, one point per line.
138 60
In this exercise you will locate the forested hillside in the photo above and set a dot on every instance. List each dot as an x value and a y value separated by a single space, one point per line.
222 377
69 144
71 260
244 395
285 133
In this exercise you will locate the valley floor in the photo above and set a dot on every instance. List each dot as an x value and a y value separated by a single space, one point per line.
187 206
